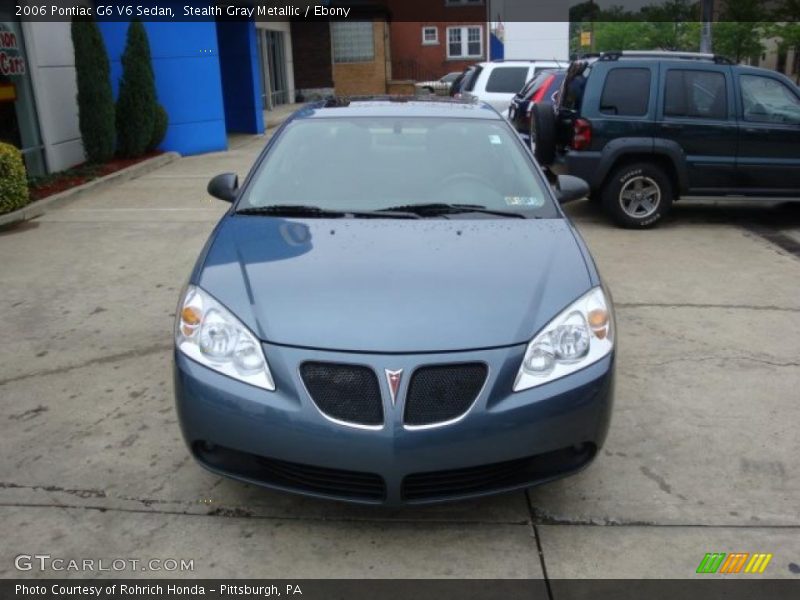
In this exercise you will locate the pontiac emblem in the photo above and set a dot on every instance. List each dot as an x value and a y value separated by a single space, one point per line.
393 379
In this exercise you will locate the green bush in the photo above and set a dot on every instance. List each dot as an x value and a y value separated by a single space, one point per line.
13 183
95 98
159 127
136 104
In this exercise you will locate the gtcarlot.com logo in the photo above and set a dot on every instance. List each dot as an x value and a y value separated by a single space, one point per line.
46 562
735 562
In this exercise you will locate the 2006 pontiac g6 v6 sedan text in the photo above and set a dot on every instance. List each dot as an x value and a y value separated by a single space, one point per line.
395 310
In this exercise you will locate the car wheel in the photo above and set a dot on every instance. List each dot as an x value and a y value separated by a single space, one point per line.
638 195
543 132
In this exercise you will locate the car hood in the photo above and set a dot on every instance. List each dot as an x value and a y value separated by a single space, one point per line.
382 285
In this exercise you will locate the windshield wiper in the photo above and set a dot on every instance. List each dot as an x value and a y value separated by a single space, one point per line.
300 210
440 208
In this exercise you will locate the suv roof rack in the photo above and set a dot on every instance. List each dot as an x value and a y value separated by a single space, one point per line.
529 60
716 58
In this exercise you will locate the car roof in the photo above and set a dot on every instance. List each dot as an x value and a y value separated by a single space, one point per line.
524 62
397 106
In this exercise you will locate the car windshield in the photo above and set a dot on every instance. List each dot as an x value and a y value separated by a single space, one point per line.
369 164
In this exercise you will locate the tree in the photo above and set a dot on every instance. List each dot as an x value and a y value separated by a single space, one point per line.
673 25
95 98
788 32
136 104
742 26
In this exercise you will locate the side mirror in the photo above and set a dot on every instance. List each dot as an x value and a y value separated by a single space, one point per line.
224 186
569 188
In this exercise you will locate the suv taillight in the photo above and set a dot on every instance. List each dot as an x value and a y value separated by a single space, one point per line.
539 94
581 134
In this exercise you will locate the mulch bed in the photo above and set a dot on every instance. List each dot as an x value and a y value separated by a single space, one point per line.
47 185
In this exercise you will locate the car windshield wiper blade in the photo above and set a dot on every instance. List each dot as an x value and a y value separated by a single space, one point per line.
441 208
301 210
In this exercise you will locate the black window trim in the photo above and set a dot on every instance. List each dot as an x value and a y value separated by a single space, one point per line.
705 69
653 75
740 100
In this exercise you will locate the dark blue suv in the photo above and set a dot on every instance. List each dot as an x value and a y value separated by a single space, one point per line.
644 128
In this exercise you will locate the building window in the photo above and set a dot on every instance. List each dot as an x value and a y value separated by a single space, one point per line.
430 36
465 42
353 41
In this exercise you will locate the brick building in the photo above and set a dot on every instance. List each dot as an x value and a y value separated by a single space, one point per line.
454 37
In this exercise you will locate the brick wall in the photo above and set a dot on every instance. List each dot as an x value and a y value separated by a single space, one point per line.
366 78
411 59
311 47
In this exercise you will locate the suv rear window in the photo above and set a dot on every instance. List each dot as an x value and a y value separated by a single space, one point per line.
626 92
507 80
471 77
695 94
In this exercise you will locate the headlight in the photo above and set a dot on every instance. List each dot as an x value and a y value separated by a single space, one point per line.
581 335
208 333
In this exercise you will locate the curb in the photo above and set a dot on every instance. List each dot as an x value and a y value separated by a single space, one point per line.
40 207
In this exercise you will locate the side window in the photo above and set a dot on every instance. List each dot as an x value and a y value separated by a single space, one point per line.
768 100
507 80
695 94
626 92
574 85
472 78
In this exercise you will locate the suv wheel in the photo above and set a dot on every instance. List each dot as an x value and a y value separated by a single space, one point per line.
637 195
543 133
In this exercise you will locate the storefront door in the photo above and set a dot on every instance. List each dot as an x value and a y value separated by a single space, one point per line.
274 87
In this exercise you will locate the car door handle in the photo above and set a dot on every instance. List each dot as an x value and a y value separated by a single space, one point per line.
751 130
672 126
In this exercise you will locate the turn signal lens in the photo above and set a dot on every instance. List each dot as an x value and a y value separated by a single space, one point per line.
598 322
190 319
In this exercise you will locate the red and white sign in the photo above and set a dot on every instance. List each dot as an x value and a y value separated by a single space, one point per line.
11 61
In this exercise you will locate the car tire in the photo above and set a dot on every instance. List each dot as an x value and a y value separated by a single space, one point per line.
637 195
543 133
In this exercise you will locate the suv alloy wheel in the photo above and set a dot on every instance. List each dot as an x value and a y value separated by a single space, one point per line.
637 195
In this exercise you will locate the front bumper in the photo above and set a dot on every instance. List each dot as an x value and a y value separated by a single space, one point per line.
505 441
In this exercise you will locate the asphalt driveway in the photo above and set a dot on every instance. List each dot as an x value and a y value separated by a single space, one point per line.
701 456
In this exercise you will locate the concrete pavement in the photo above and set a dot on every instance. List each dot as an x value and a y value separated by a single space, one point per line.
701 455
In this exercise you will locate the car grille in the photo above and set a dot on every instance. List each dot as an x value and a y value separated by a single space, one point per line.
339 483
348 393
443 392
437 485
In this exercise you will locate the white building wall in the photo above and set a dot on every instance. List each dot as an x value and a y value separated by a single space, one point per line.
533 28
526 39
51 64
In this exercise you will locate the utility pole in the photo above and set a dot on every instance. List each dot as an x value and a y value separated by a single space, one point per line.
707 10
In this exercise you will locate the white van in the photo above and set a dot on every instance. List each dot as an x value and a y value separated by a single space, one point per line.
496 82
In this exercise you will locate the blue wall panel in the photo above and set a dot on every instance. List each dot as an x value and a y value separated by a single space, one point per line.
187 71
241 80
496 48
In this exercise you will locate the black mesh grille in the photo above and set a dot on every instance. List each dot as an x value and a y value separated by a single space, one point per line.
443 392
353 485
495 477
344 392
